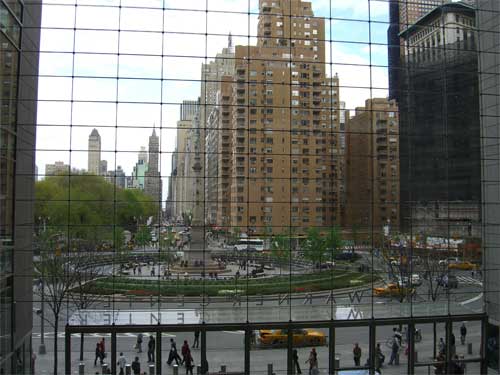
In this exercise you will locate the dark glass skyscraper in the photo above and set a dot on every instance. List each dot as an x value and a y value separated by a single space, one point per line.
439 131
19 39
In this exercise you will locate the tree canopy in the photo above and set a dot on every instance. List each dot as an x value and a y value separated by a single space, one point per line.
88 207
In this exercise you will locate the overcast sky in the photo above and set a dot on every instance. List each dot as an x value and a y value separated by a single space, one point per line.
103 102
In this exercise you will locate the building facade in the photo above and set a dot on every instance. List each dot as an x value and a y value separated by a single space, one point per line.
439 124
19 72
59 167
489 56
210 115
372 167
285 153
153 183
117 177
94 153
182 179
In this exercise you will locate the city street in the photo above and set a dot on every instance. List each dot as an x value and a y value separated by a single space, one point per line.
226 348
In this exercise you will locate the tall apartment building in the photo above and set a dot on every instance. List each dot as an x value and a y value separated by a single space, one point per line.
284 138
440 71
152 182
20 33
117 177
103 168
411 10
59 167
210 115
94 153
183 178
372 166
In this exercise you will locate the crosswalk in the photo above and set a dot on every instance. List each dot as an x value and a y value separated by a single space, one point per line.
468 280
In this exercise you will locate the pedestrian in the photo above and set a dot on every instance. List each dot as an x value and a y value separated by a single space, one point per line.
122 362
103 349
139 343
295 360
356 351
135 268
33 360
151 349
173 356
196 342
184 351
397 335
188 362
439 364
313 362
442 346
379 358
394 353
98 354
463 333
452 344
136 366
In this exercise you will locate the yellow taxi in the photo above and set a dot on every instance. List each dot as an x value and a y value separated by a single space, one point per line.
279 337
393 290
464 266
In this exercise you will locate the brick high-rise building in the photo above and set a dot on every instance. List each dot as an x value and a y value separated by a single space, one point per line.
411 10
284 123
372 166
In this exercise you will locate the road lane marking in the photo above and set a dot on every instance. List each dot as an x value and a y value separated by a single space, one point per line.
478 297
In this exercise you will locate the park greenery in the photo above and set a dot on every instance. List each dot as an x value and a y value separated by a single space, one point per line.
89 208
304 283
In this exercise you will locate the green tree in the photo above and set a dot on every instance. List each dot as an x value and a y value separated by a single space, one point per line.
143 236
280 247
88 207
59 272
315 246
333 241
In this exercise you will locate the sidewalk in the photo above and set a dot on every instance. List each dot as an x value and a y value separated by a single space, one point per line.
233 357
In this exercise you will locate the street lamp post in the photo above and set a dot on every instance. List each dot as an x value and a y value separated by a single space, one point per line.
42 349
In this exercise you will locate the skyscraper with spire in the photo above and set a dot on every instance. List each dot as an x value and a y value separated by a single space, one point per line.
153 177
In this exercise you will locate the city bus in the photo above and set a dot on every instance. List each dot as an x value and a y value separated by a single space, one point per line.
250 244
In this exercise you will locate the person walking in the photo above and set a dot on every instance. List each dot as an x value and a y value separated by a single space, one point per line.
394 353
453 346
442 346
196 342
313 362
139 343
184 351
295 362
356 352
136 366
173 355
188 362
102 347
151 349
122 362
379 358
463 333
98 354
